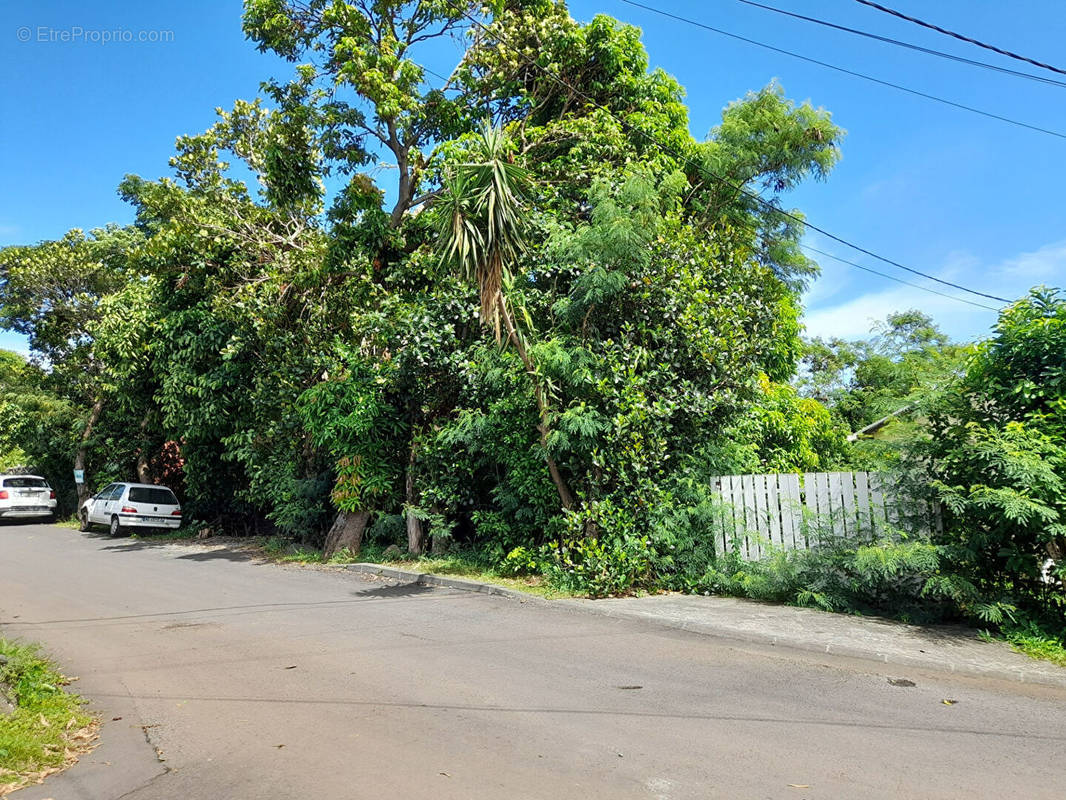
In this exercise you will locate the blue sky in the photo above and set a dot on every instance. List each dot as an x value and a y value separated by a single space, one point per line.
966 198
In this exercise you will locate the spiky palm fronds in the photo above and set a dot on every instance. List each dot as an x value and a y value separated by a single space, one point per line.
481 227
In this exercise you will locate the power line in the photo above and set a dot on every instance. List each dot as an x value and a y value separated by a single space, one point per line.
897 280
845 71
908 45
961 37
739 188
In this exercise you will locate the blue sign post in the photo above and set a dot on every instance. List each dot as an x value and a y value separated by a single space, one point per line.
79 476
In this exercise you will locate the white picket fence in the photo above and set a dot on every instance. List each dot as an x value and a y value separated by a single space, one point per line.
799 511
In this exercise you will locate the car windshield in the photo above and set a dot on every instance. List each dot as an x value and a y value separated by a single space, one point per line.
156 496
26 483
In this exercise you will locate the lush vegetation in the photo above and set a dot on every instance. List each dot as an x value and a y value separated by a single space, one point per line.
533 338
47 728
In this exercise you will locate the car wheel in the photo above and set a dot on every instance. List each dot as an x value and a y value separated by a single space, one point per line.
116 528
83 521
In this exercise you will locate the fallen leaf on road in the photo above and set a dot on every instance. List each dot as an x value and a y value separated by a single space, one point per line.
115 719
445 774
799 786
949 702
292 667
279 746
631 687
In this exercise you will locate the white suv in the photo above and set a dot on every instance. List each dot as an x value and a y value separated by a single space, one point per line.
26 496
131 505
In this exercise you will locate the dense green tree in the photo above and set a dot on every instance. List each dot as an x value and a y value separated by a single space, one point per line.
551 321
482 233
53 293
871 385
784 432
994 450
238 310
40 427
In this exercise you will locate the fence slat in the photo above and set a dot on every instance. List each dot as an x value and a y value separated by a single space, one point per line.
773 510
778 509
737 533
847 481
810 498
784 502
862 503
747 485
835 491
825 510
795 510
762 522
729 521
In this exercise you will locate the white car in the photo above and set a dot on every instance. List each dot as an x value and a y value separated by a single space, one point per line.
121 506
26 496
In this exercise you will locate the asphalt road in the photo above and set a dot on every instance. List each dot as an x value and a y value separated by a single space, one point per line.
258 681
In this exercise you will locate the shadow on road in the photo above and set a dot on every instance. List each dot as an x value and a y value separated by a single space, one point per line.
399 590
126 544
216 555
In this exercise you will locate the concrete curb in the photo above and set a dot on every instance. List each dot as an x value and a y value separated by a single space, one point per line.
1037 675
429 579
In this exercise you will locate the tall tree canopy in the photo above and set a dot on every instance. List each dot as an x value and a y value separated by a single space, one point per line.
531 308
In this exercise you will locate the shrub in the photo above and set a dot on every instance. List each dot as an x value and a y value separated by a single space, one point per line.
895 575
600 567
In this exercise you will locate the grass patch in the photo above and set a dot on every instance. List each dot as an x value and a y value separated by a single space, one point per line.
457 565
1039 646
48 728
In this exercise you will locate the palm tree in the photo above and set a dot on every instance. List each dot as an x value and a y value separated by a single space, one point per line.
482 233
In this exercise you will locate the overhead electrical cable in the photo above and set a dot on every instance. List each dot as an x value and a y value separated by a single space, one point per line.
897 280
845 71
739 188
909 45
961 37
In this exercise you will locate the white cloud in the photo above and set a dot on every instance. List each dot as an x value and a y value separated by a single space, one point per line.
1047 263
854 318
1010 278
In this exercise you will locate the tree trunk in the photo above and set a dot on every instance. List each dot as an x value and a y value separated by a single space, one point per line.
83 447
144 471
405 189
874 427
346 532
566 497
415 532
